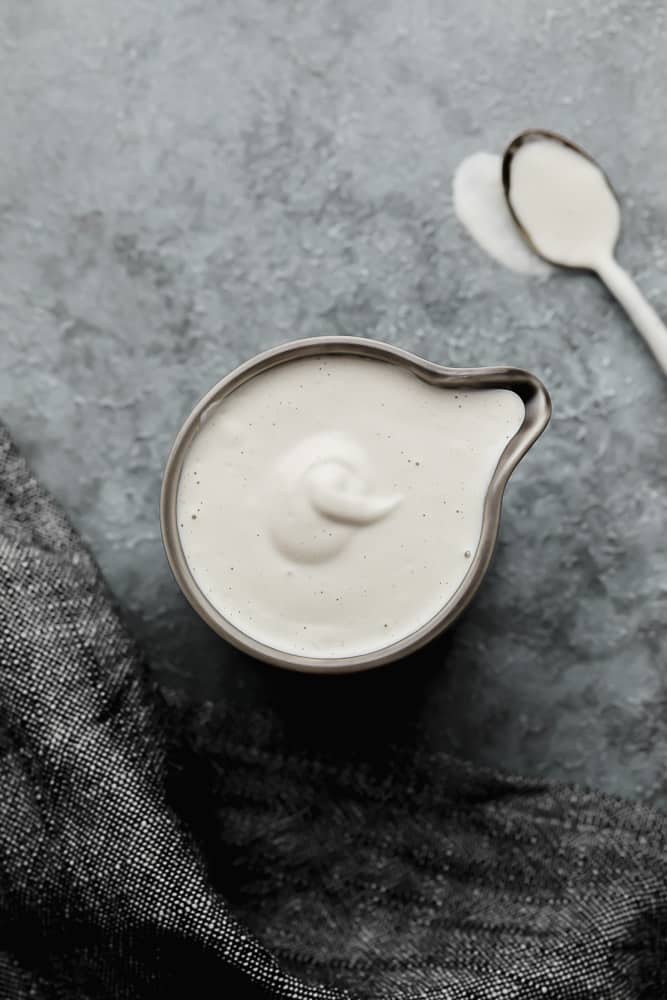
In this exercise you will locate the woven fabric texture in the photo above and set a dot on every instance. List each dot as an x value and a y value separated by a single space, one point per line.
148 850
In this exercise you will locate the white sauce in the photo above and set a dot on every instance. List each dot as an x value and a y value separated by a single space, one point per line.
331 506
479 203
564 203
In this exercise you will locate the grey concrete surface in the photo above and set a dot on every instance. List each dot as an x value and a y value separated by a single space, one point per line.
185 182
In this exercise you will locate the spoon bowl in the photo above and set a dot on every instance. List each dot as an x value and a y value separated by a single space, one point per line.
561 200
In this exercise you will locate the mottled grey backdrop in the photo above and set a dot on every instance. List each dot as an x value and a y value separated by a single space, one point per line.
184 182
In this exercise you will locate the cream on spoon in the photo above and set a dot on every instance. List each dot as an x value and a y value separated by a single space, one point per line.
566 210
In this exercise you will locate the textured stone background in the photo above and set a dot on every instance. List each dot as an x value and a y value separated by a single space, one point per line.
185 182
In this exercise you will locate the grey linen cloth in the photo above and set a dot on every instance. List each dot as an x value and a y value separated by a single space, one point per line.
150 851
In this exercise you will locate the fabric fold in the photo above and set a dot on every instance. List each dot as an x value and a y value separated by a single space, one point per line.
147 850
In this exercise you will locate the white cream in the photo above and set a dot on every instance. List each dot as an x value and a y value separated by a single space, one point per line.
331 506
480 205
563 201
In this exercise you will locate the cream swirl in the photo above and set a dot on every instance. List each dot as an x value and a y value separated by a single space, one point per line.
322 490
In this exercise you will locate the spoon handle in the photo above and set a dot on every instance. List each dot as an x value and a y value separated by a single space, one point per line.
642 314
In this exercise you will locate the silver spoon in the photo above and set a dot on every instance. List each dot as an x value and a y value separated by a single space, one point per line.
565 208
